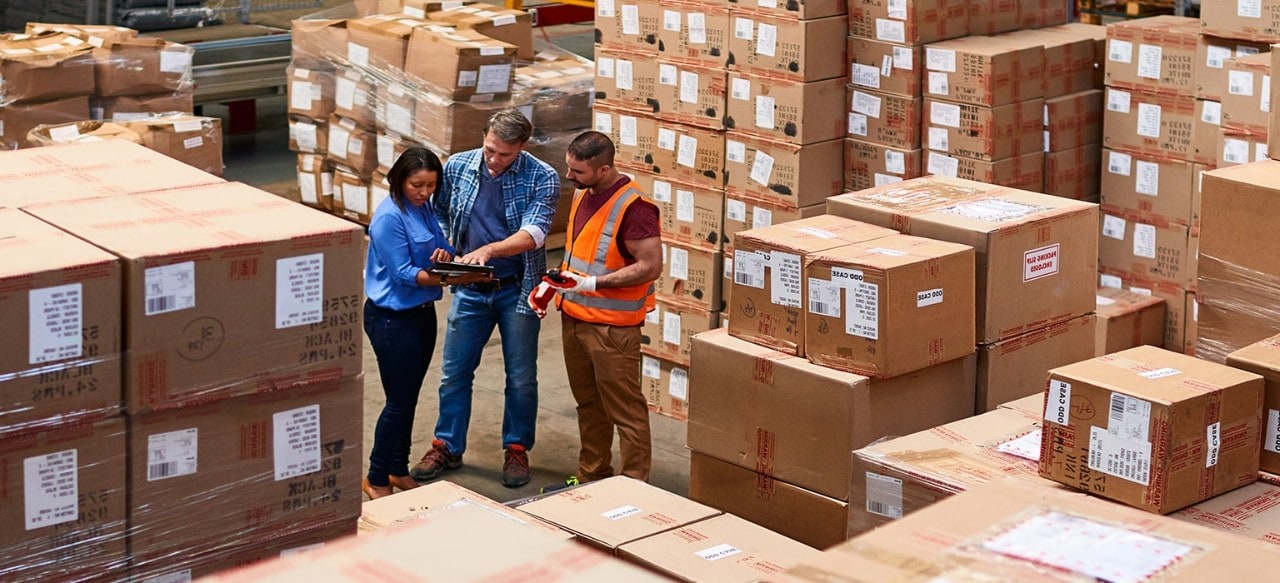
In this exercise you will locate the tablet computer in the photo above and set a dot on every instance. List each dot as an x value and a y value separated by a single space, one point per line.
453 268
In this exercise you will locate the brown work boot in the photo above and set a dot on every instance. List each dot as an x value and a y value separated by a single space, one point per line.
437 460
515 468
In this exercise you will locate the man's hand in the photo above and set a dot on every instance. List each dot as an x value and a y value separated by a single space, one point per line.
577 283
480 256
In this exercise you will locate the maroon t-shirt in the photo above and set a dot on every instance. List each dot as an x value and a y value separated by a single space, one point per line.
640 221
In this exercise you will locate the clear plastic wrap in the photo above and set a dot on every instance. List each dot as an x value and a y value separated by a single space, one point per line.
44 67
130 107
81 131
192 139
1237 307
143 66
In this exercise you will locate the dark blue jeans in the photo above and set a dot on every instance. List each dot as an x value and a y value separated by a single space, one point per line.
403 342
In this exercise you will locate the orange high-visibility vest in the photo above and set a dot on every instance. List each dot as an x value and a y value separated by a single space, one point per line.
594 251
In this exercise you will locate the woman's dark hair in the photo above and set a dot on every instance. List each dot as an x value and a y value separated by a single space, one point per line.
412 160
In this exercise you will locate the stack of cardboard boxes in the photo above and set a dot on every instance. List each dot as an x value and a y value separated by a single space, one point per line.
48 78
1233 69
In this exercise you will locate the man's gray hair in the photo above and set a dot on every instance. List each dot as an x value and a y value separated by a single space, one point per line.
510 126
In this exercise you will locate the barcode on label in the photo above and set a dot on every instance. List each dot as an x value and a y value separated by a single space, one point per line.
161 470
1117 407
161 304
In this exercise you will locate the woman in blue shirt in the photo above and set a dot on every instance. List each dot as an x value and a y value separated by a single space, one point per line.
405 241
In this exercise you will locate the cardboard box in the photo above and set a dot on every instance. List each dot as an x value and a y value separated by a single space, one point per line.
1261 358
427 499
799 113
695 32
668 331
1207 132
609 513
1176 299
189 336
1223 330
45 68
993 16
1257 22
769 309
1072 121
789 510
790 419
354 97
688 154
310 92
990 71
1068 59
1025 172
1238 149
197 141
353 195
242 554
135 107
96 34
887 119
1034 14
309 137
379 42
1150 185
665 385
142 66
315 181
867 164
783 172
985 133
892 479
626 79
397 109
1146 246
1212 54
696 552
18 119
914 23
1154 124
1246 104
319 43
1127 319
1095 33
1012 530
629 26
90 170
81 131
307 475
561 93
690 277
803 11
1032 404
742 213
867 68
796 50
467 65
352 146
1018 366
1234 236
1074 173
634 135
908 304
449 127
694 94
64 501
1028 245
511 26
62 362
1162 408
1154 54
1192 325
1249 511
689 214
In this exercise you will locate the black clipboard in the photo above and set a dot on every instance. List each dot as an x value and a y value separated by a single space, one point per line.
452 268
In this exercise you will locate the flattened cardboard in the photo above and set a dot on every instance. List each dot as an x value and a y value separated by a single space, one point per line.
1249 511
411 505
722 548
466 65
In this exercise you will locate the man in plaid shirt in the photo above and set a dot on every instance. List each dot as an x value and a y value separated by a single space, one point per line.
495 205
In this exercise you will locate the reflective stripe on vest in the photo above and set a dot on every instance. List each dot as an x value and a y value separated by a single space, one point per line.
597 267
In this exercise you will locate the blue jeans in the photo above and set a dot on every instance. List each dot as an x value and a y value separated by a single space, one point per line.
403 342
472 317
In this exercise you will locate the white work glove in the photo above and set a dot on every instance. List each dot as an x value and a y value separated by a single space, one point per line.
581 283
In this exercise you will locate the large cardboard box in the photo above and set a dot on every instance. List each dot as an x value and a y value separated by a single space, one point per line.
1234 236
467 65
378 43
629 25
318 43
769 284
1243 148
799 113
806 516
615 511
134 107
1127 319
1154 54
690 277
18 119
1192 308
197 141
1013 530
1030 247
279 462
449 127
1147 247
1263 358
310 92
691 215
691 93
668 331
783 172
352 146
789 419
46 67
1018 366
315 181
867 164
1258 21
688 154
142 66
561 93
353 97
1177 430
511 26
985 133
797 50
427 499
911 23
1068 59
1026 172
634 135
993 16
1074 173
626 79
241 554
743 212
694 32
191 256
867 68
1151 185
1154 124
982 70
1072 121
352 195
1249 511
1177 319
882 118
1212 54
1207 132
90 170
308 137
1223 330
722 548
64 504
390 147
1246 105
665 386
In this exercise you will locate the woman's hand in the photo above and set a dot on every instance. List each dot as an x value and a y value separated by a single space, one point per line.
441 255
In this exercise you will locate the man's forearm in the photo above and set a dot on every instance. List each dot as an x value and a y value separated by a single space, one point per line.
516 244
634 274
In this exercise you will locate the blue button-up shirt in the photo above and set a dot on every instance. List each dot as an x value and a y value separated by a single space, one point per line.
400 245
530 192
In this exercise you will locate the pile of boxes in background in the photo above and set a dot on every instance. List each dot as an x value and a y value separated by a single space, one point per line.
363 90
132 268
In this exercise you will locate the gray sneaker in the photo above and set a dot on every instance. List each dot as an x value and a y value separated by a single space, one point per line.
436 461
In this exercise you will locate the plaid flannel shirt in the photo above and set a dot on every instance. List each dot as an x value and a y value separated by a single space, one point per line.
530 191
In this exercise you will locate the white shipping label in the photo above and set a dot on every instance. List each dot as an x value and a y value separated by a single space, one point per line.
903 58
1149 120
296 442
1265 99
666 139
743 28
1144 240
170 288
993 210
51 489
938 84
386 151
1212 113
631 19
667 74
1118 101
735 210
300 95
1240 83
338 138
740 89
861 305
886 66
671 20
1026 447
866 76
399 119
697 28
761 217
1120 51
688 151
767 40
678 385
718 552
1103 301
1118 163
622 75
824 298
943 165
1217 56
940 60
1259 154
1119 457
627 130
1235 151
176 61
605 9
604 67
358 54
649 366
785 280
1040 263
866 104
1249 8
54 320
883 179
762 168
939 139
857 124
1140 290
928 297
1160 373
326 183
1271 442
688 87
767 3
679 264
307 188
1110 281
604 123
898 9
1129 418
684 205
1113 226
1147 180
891 30
1213 443
621 512
765 108
895 162
302 133
735 151
671 328
748 268
1057 407
300 289
494 78
884 495
198 141
379 193
1149 61
662 191
945 114
172 454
